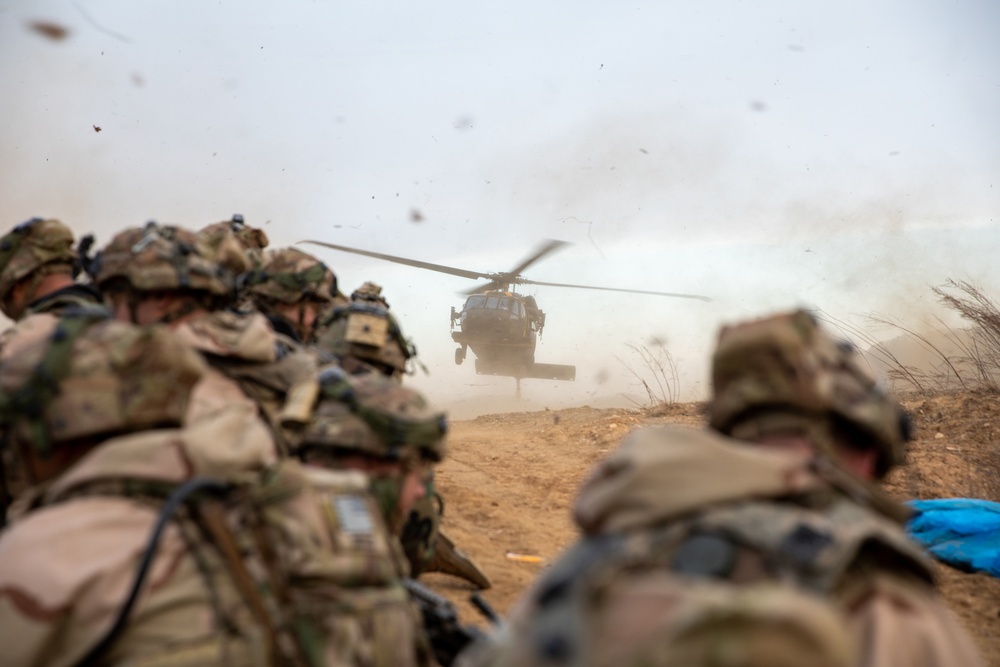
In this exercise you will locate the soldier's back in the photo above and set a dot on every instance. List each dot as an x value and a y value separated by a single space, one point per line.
290 566
159 530
697 550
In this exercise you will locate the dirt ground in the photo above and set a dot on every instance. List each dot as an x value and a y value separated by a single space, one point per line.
510 479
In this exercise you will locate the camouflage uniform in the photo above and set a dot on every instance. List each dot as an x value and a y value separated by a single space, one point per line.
364 337
162 538
241 345
377 419
393 430
290 277
251 239
31 251
700 549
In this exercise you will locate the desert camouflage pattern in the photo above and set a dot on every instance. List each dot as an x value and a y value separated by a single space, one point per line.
364 335
373 416
312 542
289 275
370 291
789 363
266 365
103 369
365 338
164 257
698 549
33 247
281 565
252 240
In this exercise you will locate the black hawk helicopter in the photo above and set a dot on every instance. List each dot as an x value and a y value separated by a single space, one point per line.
499 325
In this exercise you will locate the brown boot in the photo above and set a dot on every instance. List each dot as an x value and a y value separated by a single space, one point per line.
451 560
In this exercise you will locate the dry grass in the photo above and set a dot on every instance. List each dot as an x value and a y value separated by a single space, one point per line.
655 372
958 359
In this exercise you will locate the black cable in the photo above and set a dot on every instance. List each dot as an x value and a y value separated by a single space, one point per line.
176 498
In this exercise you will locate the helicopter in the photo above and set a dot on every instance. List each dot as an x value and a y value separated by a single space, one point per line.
499 325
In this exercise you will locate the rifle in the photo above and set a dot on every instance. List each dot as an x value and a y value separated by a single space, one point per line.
448 637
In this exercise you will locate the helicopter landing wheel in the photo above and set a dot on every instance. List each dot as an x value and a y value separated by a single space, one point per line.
459 356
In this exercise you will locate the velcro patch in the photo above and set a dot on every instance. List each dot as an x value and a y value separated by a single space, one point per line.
367 329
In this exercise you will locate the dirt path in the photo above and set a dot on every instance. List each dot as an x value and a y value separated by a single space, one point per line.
510 479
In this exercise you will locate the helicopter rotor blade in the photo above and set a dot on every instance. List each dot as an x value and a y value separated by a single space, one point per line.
492 285
462 273
544 249
524 281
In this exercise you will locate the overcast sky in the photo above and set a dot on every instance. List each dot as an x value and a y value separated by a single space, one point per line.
844 156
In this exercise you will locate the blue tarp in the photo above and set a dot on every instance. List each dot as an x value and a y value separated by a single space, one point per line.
963 532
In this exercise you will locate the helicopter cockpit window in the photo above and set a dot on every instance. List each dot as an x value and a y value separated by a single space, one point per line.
492 302
475 301
512 307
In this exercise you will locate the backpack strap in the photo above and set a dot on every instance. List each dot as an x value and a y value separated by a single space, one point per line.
181 495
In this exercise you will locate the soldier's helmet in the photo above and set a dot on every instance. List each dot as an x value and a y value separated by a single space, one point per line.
365 329
788 363
29 247
221 235
288 275
370 292
85 375
159 257
372 416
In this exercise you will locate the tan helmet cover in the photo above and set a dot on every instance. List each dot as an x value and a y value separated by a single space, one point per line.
365 330
374 416
787 362
289 275
236 245
30 246
163 257
112 377
371 292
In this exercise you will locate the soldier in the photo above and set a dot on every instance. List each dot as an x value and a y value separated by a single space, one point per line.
389 432
291 288
251 239
37 268
364 337
170 275
769 548
377 426
156 539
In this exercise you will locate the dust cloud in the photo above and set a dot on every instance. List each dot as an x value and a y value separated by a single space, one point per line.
731 174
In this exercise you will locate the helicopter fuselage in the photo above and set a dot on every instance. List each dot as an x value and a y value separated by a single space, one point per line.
500 327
